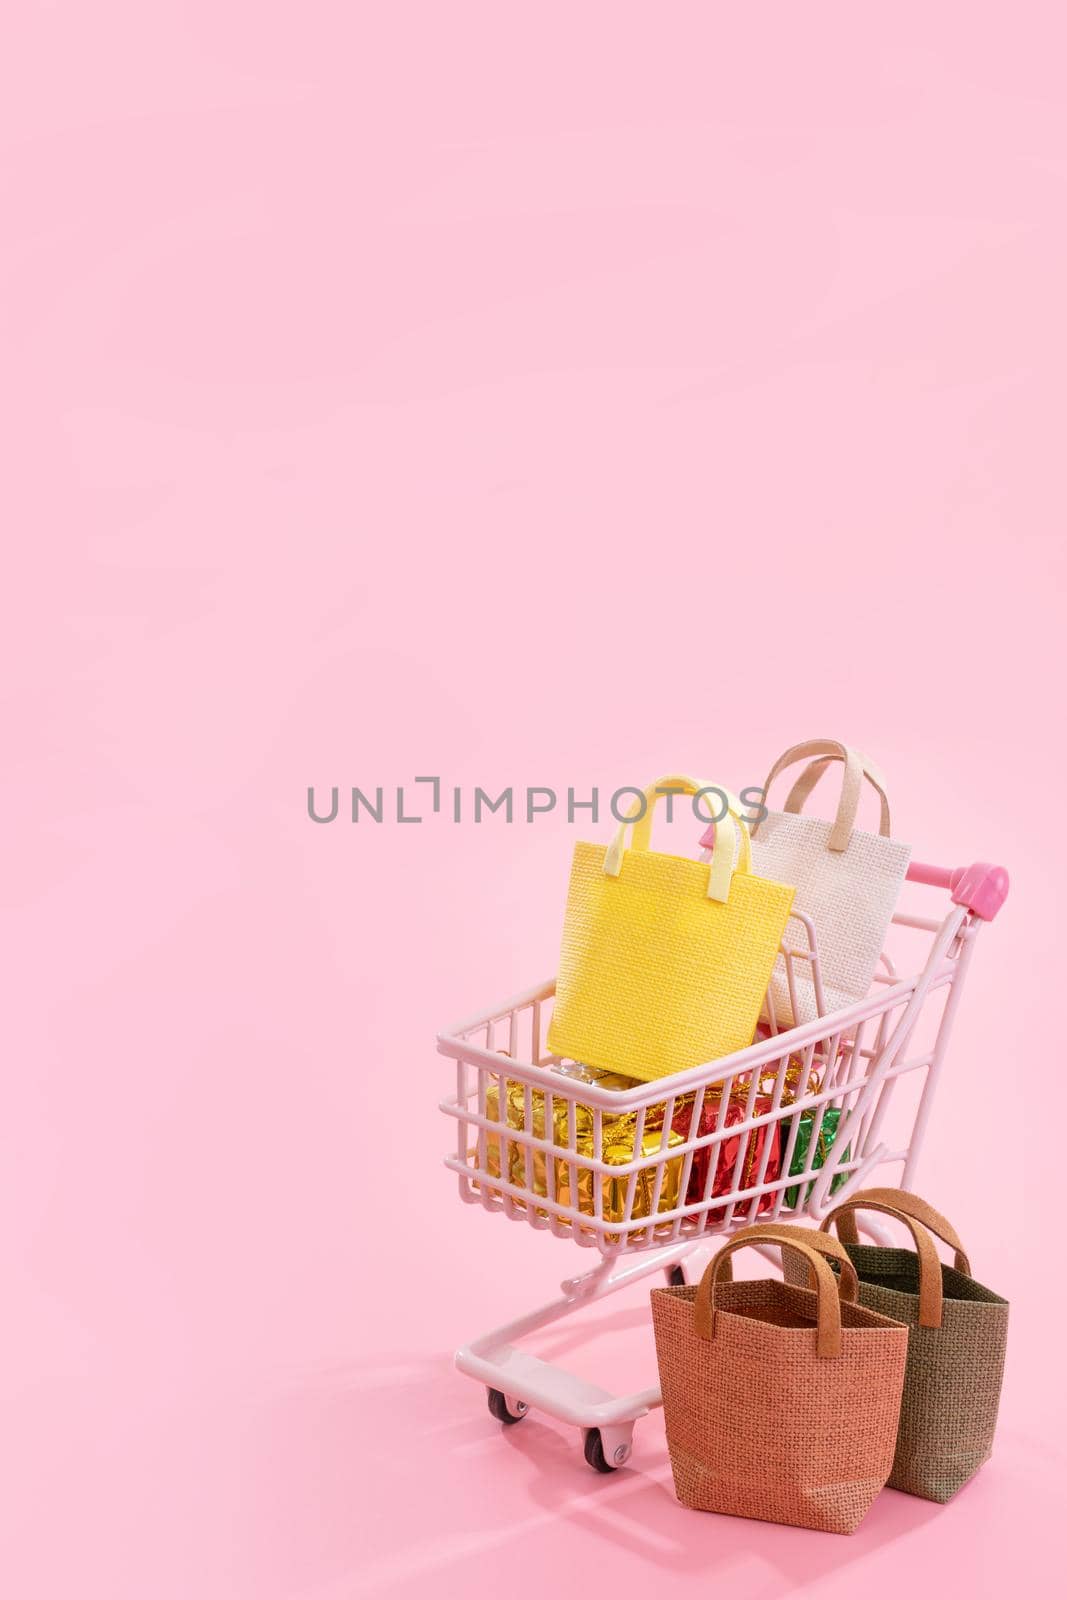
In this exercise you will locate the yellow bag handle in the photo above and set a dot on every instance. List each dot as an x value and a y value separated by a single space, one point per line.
731 832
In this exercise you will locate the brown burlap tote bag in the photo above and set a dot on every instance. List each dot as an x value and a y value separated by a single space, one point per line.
781 1402
958 1331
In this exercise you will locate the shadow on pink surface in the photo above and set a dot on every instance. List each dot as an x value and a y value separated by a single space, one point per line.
508 1504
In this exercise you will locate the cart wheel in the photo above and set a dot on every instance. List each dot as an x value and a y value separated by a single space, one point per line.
499 1408
594 1452
676 1277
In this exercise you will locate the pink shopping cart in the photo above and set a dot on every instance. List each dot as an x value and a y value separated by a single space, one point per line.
699 1169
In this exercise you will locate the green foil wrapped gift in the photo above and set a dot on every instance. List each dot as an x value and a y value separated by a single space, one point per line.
827 1134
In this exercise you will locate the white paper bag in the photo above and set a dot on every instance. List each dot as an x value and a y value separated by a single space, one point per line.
847 881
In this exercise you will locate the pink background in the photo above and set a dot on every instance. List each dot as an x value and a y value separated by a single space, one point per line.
547 395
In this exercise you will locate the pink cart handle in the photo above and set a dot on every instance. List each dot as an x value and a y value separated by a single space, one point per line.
982 888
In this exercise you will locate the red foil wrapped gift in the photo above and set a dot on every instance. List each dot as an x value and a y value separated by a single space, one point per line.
725 1153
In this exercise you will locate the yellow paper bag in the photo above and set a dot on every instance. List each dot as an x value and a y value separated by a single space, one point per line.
664 961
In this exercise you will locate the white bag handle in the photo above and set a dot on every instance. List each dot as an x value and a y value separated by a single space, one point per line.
731 833
857 767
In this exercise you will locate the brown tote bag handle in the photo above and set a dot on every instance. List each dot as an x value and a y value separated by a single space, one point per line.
828 1339
825 1243
930 1292
911 1206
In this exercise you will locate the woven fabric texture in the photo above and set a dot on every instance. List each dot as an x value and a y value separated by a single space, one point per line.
655 977
850 895
948 1414
758 1425
956 1347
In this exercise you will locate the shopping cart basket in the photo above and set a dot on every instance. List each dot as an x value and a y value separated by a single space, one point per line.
874 1065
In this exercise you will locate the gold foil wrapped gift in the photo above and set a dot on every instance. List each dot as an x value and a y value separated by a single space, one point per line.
526 1167
574 1183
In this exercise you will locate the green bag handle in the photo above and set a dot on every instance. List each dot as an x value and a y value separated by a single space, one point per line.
912 1206
931 1294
